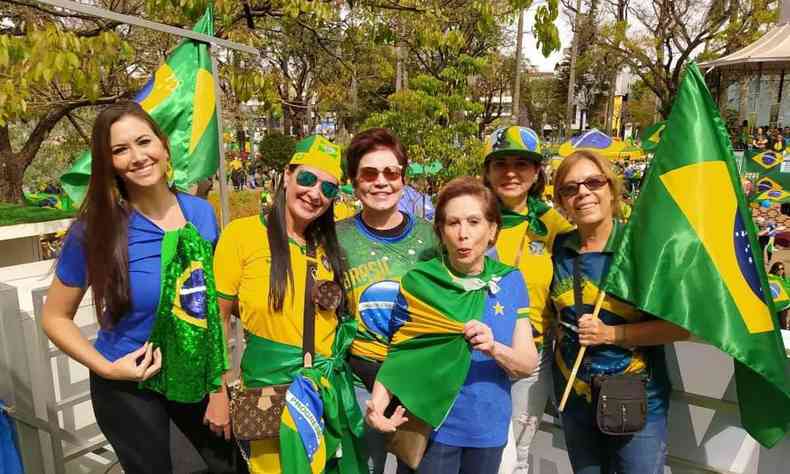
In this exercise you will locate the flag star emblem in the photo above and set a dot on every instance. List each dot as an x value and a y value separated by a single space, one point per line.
498 308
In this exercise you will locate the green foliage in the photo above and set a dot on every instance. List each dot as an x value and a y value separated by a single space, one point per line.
277 150
49 54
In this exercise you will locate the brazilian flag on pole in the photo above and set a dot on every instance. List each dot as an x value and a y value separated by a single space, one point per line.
688 256
180 98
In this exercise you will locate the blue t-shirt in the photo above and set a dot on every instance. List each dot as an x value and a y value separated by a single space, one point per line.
480 416
145 247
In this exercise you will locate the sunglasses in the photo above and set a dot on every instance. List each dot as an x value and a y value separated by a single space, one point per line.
308 179
370 174
592 183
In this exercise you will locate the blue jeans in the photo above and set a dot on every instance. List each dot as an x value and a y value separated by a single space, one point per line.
592 452
445 459
376 442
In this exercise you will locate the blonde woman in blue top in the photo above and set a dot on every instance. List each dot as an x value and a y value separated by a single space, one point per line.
622 340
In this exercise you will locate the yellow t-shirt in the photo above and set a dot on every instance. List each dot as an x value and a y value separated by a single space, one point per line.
535 264
242 263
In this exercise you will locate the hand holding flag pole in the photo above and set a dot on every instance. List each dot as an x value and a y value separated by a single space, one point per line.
580 355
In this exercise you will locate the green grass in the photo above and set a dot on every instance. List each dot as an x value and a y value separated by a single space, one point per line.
12 214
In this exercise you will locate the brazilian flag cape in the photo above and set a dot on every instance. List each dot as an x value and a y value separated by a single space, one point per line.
188 329
689 255
321 428
434 304
535 209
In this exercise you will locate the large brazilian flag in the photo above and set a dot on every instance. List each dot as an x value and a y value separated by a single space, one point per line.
687 257
180 98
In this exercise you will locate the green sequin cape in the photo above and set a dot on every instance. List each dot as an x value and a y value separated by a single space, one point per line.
188 327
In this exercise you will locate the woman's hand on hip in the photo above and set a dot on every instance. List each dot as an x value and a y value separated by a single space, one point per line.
128 368
217 415
480 336
594 332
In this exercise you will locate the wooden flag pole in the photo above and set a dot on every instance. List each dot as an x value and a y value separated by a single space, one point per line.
580 355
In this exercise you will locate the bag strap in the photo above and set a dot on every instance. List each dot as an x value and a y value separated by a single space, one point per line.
308 326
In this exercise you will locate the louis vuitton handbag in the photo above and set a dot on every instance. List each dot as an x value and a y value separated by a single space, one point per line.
255 413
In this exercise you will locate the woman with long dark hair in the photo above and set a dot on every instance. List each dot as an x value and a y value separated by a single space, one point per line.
145 251
263 263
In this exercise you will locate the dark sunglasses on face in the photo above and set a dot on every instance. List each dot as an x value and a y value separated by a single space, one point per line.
592 183
308 179
370 174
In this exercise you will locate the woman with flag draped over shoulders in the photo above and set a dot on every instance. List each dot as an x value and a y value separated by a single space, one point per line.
460 334
146 253
513 171
263 263
621 340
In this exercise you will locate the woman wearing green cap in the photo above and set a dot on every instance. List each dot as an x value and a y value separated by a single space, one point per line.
513 171
264 262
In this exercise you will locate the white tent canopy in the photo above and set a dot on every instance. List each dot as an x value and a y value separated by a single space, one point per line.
771 51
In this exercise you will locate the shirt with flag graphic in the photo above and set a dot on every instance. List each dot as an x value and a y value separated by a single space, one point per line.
375 266
687 256
603 359
180 98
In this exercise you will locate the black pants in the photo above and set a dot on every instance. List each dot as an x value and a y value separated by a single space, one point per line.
137 425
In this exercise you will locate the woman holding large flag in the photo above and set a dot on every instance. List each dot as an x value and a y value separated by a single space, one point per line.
513 171
620 340
268 264
146 253
460 335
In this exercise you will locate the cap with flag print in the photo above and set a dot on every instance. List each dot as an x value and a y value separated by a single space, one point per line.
180 98
694 240
513 141
318 152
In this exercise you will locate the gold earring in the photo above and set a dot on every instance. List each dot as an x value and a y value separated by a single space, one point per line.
170 174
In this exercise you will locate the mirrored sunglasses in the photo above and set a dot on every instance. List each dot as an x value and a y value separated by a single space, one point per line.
308 179
370 173
592 183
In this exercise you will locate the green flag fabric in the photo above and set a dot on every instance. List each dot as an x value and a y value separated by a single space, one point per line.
434 304
689 255
180 98
535 209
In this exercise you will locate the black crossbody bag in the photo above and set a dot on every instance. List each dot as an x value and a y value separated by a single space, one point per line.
619 400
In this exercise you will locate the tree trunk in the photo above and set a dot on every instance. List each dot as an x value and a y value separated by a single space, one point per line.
515 111
12 171
572 79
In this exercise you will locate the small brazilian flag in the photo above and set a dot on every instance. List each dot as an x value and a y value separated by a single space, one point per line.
180 98
302 442
768 159
778 292
687 256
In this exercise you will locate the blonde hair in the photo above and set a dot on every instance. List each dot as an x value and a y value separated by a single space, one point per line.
615 184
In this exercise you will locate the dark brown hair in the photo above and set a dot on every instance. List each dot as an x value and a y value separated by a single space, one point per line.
370 140
602 164
104 214
467 186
